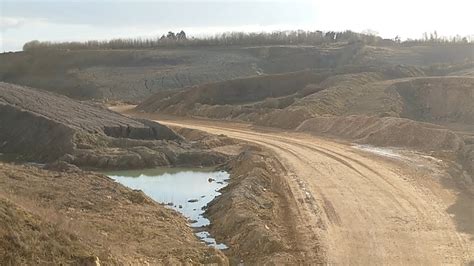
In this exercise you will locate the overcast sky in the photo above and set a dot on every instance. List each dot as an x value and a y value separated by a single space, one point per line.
74 20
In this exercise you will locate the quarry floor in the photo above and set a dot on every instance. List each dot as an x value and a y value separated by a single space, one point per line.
363 207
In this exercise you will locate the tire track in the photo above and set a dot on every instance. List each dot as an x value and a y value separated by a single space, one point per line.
371 215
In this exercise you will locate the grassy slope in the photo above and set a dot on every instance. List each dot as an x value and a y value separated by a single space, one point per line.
66 217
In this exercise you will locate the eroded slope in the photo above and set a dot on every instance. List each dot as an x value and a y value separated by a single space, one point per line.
45 127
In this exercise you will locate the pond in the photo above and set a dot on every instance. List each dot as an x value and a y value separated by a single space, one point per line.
187 191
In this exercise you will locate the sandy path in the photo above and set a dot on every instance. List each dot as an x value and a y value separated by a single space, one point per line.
373 210
363 208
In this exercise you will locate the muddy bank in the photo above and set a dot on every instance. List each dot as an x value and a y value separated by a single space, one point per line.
44 127
102 152
59 217
253 216
197 187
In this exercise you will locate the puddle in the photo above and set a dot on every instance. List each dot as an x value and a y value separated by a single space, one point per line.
187 191
408 156
387 152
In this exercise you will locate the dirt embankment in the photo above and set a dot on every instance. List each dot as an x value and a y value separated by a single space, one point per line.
437 100
45 127
336 95
286 100
385 131
60 218
265 98
254 213
230 93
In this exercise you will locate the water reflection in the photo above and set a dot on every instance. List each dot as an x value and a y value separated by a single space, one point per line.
187 191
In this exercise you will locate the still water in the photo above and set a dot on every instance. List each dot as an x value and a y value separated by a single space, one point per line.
187 191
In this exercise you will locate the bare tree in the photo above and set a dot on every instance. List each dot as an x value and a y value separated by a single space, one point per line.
181 36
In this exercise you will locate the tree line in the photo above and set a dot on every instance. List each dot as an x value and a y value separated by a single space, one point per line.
180 39
434 38
222 39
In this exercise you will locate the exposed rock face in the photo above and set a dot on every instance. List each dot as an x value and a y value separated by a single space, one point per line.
41 126
80 115
447 99
33 135
150 131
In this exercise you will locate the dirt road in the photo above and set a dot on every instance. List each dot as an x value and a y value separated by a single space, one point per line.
374 210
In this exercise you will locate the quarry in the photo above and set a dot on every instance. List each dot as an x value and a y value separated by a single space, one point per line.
343 152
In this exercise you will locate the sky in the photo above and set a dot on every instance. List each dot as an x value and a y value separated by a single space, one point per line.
74 20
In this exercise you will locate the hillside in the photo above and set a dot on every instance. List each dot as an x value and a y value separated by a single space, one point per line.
84 218
45 127
133 75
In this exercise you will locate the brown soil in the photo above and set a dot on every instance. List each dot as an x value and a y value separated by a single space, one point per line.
238 91
76 217
346 206
385 131
257 215
293 198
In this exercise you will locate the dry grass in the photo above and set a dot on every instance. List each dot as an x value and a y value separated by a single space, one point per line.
58 217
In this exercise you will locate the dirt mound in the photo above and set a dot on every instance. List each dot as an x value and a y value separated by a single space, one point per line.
205 140
33 135
45 127
339 94
232 92
385 131
288 118
253 214
57 217
438 100
336 95
264 99
79 115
